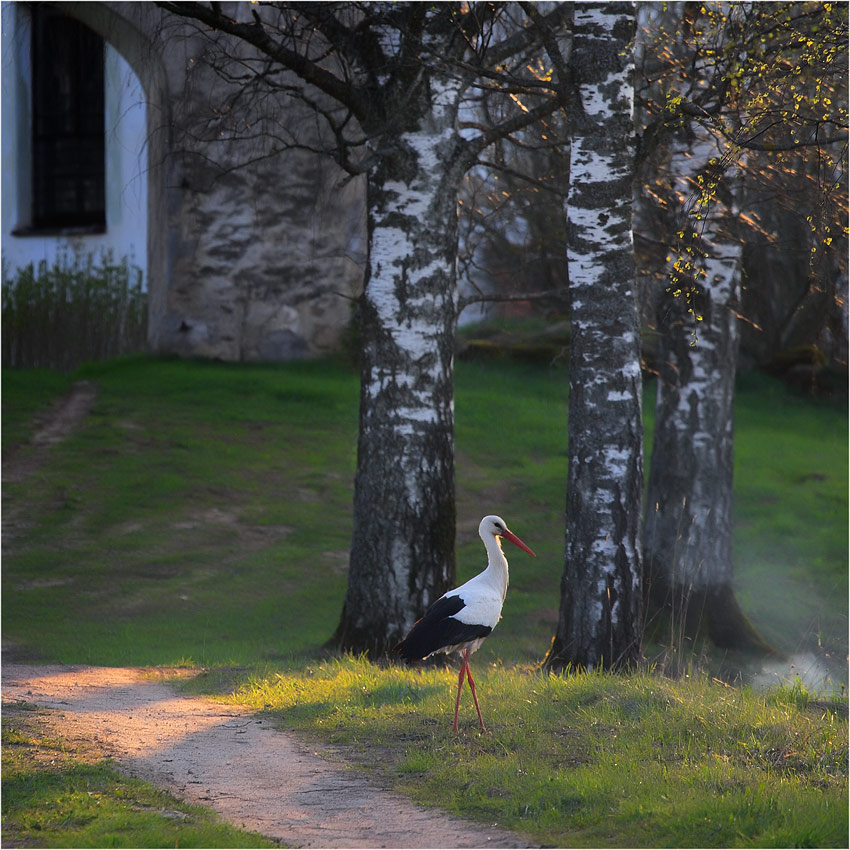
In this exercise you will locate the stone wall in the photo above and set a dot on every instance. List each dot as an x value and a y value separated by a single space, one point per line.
258 244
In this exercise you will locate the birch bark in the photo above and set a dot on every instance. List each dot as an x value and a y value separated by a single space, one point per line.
688 525
599 617
402 555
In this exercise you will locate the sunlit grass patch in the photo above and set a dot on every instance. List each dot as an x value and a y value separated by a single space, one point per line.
588 758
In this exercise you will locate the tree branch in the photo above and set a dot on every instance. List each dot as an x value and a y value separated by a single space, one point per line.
342 91
523 39
469 300
473 147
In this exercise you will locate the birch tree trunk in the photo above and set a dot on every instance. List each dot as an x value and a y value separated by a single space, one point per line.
402 555
599 617
688 526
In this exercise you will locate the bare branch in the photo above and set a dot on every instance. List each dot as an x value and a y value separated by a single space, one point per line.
519 121
524 38
469 300
257 35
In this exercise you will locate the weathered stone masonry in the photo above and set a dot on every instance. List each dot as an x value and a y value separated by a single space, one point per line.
255 250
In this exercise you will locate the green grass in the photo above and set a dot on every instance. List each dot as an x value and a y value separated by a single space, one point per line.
791 469
81 307
27 392
179 517
202 515
56 796
203 511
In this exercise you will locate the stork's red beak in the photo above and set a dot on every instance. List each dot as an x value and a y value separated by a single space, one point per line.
509 535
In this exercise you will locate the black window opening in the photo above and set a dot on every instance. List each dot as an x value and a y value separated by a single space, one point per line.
68 138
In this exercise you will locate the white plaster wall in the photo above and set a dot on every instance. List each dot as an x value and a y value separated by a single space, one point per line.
126 157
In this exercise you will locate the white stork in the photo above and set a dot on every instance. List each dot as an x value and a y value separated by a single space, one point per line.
460 619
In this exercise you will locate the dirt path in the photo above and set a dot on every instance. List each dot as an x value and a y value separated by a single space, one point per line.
53 426
227 759
21 461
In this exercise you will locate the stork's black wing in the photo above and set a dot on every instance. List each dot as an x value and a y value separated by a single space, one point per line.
439 629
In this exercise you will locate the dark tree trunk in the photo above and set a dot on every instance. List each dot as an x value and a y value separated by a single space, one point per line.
688 526
599 619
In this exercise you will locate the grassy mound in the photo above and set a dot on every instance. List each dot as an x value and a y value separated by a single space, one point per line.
200 515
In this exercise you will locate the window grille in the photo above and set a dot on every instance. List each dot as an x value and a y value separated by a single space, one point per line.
68 143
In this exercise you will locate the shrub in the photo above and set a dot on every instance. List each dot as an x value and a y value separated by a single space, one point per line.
77 309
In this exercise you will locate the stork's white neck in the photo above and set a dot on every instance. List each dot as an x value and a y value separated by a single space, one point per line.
497 563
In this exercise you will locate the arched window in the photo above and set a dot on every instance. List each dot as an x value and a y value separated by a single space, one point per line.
68 145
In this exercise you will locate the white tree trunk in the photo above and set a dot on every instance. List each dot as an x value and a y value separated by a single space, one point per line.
599 621
688 526
402 554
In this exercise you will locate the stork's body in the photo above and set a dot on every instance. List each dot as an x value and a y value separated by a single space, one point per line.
460 619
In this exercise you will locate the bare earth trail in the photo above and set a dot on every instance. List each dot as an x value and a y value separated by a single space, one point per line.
227 759
52 427
215 755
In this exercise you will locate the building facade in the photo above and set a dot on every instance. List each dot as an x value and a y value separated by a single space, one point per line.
126 129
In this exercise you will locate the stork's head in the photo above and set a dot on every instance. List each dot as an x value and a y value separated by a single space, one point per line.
496 526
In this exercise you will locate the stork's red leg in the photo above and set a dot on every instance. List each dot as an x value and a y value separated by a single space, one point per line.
474 695
464 668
